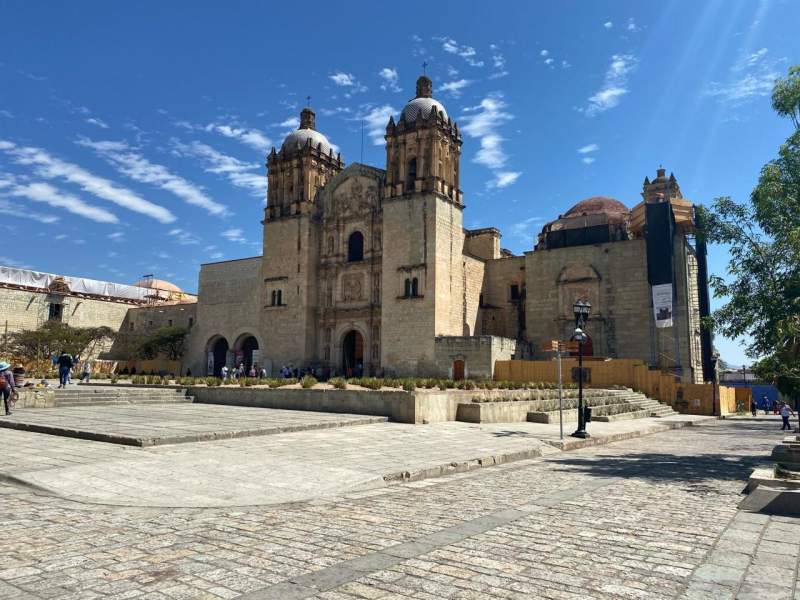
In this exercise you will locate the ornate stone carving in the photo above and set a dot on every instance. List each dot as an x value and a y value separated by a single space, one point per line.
352 287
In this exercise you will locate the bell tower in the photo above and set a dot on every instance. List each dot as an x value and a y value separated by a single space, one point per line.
305 162
423 149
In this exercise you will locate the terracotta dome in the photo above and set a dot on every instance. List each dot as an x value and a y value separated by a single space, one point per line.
158 284
597 205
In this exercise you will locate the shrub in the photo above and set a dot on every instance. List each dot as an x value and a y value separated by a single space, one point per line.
409 385
308 381
338 382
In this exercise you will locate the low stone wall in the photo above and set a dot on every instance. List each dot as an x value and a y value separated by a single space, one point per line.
422 406
36 398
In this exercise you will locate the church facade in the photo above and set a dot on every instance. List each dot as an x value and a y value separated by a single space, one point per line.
371 270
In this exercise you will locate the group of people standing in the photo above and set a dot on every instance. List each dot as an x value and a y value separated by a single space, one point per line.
781 408
237 373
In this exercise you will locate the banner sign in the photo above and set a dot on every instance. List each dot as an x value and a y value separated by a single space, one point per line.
662 305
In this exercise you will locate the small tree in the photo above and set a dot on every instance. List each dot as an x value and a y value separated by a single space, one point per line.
169 341
35 347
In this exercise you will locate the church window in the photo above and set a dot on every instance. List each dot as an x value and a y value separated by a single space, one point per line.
411 174
414 287
274 297
407 289
191 321
514 291
355 247
55 312
280 298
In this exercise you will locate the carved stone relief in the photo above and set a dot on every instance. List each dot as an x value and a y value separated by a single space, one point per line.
352 287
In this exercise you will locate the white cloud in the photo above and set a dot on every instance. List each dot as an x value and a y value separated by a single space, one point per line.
544 53
587 160
524 229
249 137
343 79
468 53
234 235
138 168
483 122
50 167
588 148
20 212
97 122
549 61
375 120
752 76
454 87
614 85
632 26
238 173
7 114
291 123
183 237
47 194
390 79
117 236
608 24
10 262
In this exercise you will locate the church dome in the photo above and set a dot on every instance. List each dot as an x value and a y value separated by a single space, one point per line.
597 205
158 284
423 103
304 133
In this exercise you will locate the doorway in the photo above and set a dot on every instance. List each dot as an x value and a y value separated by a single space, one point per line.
220 352
458 369
353 354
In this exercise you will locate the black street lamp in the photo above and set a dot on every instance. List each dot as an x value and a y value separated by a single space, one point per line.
581 308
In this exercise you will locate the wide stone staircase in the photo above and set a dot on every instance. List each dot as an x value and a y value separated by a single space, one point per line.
607 405
97 395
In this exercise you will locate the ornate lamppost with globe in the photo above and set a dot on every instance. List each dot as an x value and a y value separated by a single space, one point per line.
581 308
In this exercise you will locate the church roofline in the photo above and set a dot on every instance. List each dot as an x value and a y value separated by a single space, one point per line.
220 262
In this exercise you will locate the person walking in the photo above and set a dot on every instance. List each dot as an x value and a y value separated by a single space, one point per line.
65 363
86 373
7 386
224 372
786 412
753 406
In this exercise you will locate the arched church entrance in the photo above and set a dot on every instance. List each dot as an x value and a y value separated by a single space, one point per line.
353 354
247 351
217 355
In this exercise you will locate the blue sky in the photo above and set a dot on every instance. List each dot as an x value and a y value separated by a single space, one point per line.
133 135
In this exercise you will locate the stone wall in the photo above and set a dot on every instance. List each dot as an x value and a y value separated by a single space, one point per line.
228 307
479 354
501 315
613 276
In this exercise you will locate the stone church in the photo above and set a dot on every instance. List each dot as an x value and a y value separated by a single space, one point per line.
370 269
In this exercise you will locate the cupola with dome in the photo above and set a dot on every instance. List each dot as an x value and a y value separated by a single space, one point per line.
594 220
423 148
295 174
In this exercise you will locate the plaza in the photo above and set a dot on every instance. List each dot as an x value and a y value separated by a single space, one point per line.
339 509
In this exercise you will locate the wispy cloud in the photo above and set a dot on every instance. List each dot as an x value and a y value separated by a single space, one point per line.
47 194
483 122
97 122
468 53
249 137
614 85
234 235
498 62
588 148
239 173
291 123
375 119
587 160
7 114
348 81
49 167
524 229
608 24
20 212
752 76
632 26
117 236
137 167
183 237
454 87
390 79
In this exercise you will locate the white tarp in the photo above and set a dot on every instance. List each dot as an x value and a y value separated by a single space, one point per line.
662 305
77 285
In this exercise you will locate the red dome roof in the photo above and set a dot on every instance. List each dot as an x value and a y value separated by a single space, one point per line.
597 205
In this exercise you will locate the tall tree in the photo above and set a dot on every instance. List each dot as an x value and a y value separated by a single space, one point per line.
763 239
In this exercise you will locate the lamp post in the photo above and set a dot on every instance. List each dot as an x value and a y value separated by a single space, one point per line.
581 308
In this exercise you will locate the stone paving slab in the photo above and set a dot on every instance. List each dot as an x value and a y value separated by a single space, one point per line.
640 518
153 425
285 467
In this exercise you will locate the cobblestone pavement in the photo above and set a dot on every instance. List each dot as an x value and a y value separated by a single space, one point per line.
653 517
153 424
